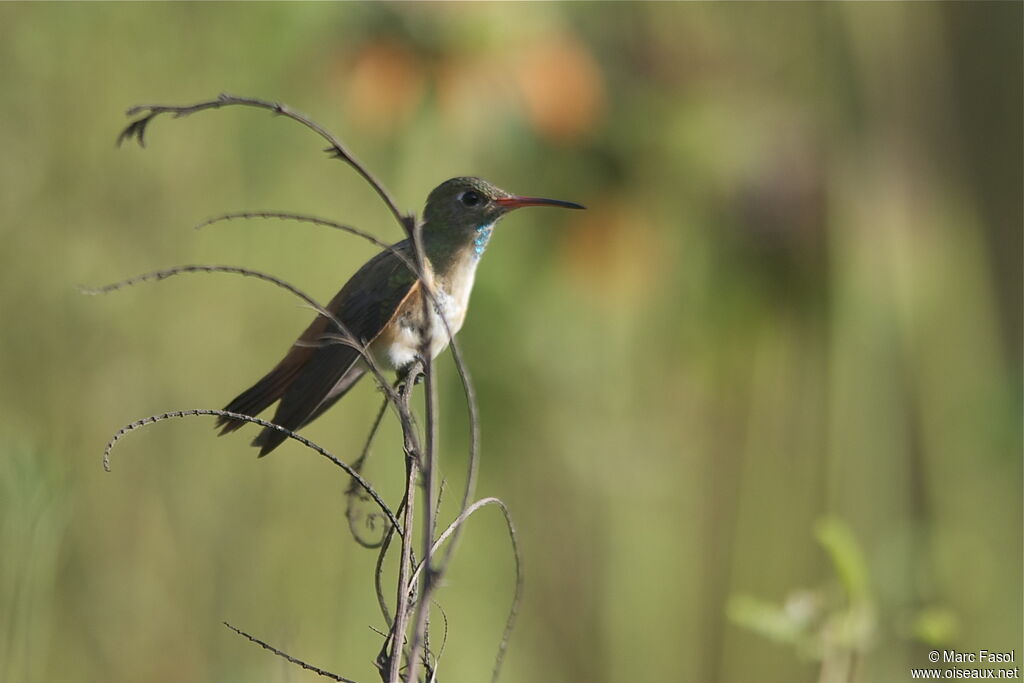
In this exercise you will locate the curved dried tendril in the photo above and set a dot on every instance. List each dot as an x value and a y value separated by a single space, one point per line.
153 419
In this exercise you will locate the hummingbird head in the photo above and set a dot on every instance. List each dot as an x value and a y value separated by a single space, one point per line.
466 204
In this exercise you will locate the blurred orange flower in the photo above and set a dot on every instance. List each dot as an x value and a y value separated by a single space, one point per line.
385 84
562 87
555 85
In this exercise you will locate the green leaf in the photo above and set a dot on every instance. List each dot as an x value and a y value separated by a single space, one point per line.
838 541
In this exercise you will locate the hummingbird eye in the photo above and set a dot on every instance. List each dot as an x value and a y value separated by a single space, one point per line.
470 198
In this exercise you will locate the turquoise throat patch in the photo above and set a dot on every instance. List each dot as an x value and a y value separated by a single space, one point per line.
483 235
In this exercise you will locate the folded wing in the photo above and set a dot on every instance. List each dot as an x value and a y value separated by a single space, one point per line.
320 368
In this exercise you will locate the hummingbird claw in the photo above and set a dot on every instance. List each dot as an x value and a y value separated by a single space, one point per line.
413 369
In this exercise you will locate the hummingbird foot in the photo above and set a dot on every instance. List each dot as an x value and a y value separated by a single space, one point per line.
413 369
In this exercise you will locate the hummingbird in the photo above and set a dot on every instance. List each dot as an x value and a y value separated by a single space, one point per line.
382 306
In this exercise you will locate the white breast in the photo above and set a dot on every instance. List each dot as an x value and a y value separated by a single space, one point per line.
452 302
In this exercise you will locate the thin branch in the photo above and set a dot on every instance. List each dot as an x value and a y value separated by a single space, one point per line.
474 444
405 562
346 336
513 537
314 220
157 275
284 655
354 496
444 641
378 572
147 112
430 577
153 419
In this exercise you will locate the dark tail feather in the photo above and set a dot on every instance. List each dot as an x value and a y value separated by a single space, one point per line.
289 416
268 440
258 397
347 381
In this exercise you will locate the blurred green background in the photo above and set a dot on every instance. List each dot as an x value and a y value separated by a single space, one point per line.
757 412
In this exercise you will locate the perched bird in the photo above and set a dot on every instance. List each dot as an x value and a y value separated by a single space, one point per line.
382 306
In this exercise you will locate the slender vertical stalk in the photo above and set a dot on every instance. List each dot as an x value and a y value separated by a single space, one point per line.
404 567
412 468
427 580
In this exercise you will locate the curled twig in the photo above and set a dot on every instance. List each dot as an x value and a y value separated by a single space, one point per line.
513 537
153 419
378 572
147 112
353 494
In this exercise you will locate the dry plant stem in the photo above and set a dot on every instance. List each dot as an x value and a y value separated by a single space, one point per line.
474 445
352 493
452 531
152 419
148 112
405 566
444 641
412 457
429 579
314 220
287 657
427 648
346 337
378 571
